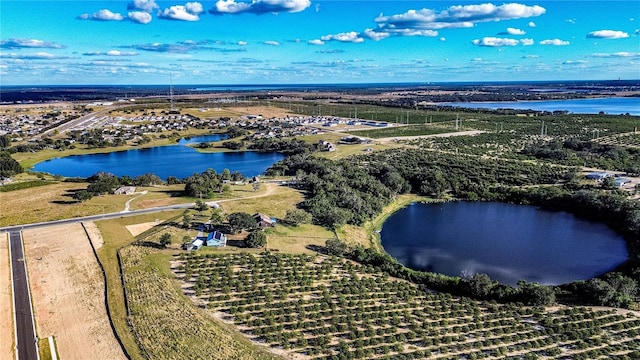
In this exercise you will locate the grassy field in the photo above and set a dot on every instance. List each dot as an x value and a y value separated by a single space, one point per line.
276 204
116 235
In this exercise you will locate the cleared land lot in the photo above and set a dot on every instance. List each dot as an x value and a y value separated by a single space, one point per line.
6 300
67 290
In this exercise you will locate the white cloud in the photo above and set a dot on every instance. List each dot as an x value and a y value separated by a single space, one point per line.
33 56
413 22
194 8
139 17
29 43
259 6
242 43
621 54
573 62
351 36
571 21
608 34
443 39
526 42
477 59
531 56
102 15
375 35
316 42
514 31
180 12
495 42
555 42
532 24
143 5
111 53
272 43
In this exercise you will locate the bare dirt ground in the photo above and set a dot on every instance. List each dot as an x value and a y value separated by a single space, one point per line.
6 301
137 229
67 290
457 133
266 112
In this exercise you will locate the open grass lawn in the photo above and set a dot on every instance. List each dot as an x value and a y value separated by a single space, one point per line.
52 202
279 199
297 239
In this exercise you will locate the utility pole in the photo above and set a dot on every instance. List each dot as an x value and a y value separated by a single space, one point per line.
171 90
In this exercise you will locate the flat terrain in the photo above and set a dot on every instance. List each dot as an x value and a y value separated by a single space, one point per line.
67 291
6 301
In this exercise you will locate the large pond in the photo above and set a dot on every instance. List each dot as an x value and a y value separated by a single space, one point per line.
507 242
173 160
610 105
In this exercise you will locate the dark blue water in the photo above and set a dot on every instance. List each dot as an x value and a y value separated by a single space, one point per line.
507 242
174 160
611 105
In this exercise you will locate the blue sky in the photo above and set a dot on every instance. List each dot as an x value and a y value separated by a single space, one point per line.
305 41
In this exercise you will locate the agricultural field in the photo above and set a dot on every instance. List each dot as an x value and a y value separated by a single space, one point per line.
320 307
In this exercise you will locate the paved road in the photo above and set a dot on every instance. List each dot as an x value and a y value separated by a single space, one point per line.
24 326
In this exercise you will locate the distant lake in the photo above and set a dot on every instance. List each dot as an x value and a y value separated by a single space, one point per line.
507 242
610 105
173 160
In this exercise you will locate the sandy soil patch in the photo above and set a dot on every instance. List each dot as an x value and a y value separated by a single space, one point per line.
137 229
266 112
67 289
6 301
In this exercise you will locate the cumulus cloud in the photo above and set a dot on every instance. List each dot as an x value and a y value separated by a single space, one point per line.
140 17
495 42
555 42
316 42
334 51
375 35
533 56
416 22
163 47
608 34
352 37
532 24
16 43
272 43
514 31
143 5
259 6
182 12
102 15
573 62
526 42
242 43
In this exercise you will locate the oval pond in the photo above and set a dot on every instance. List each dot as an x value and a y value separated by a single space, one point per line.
508 242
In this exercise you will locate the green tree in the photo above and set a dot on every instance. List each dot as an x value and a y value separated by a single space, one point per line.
8 165
186 220
165 240
256 239
336 247
216 216
239 221
82 195
297 216
201 205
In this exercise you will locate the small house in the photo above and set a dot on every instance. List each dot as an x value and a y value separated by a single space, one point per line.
125 190
216 238
263 220
620 181
196 244
598 175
